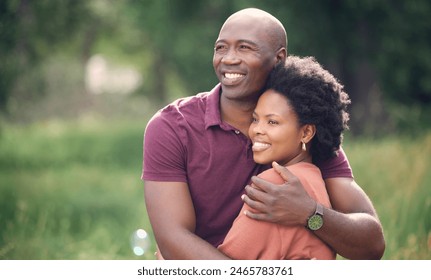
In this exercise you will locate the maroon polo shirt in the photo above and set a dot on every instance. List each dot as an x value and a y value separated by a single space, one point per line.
187 142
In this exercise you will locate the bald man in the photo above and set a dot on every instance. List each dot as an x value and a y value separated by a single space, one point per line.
198 159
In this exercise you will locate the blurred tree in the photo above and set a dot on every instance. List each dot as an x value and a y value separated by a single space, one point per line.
404 43
30 31
380 50
366 44
340 35
180 37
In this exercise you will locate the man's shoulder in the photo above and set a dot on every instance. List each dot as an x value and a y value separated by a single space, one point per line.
196 109
183 112
186 105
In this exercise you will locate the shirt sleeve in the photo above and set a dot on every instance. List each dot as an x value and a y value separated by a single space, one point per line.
164 152
338 166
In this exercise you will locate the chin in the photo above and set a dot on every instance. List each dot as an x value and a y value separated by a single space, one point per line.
262 161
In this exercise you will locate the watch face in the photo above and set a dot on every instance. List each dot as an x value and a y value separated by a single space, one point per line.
315 222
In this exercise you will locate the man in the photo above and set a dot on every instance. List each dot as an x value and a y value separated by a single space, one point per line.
198 158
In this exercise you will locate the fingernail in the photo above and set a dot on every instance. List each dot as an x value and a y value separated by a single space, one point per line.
242 196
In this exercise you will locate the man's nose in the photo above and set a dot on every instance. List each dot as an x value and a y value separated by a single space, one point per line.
231 57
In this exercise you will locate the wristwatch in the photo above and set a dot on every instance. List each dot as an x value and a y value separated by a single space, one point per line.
315 221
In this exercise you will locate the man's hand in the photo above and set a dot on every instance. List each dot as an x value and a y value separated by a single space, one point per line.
352 228
286 204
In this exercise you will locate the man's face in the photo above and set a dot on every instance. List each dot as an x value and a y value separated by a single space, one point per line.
243 58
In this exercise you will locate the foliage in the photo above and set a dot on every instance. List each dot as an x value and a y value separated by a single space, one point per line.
404 58
380 50
30 31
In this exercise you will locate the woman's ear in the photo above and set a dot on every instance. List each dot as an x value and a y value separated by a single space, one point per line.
308 132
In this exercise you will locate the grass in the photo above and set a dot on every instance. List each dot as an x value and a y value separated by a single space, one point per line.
72 190
396 174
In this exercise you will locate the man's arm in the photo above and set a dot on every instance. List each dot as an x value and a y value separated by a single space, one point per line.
352 229
173 219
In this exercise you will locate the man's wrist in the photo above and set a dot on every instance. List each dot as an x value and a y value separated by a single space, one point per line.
311 210
315 221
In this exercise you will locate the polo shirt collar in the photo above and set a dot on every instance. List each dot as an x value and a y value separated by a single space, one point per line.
212 111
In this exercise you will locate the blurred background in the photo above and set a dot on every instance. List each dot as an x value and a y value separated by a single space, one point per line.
79 79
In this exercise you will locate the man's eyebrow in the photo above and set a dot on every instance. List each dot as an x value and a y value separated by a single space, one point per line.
239 41
248 42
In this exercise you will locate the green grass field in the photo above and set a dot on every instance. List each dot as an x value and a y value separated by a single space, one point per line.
72 190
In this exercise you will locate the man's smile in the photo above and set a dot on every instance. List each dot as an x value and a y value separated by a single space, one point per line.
232 78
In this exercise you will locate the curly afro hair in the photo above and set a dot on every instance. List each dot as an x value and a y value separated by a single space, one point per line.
317 98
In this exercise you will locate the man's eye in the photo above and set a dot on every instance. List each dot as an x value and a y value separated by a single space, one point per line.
254 120
219 48
244 47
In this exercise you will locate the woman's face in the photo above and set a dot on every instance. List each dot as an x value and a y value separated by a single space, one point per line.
275 131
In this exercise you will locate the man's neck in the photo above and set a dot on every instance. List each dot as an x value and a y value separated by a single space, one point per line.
237 113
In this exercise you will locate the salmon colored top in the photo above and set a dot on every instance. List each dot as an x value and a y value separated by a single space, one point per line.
250 239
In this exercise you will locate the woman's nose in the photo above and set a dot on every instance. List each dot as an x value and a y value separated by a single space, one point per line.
256 129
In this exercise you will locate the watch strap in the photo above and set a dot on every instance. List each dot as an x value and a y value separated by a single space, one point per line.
315 221
319 209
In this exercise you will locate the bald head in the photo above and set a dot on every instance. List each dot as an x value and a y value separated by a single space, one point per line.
250 43
273 27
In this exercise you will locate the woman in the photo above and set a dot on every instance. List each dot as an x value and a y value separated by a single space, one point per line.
298 121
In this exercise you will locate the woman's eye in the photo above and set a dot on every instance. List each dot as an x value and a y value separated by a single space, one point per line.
272 122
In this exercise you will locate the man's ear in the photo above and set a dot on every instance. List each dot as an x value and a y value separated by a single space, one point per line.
281 55
308 132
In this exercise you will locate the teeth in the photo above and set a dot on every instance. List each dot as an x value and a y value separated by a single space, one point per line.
260 147
233 75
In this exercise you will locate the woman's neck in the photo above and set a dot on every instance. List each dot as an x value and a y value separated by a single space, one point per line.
301 157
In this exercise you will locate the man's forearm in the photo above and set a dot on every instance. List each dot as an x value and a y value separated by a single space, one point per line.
353 236
188 246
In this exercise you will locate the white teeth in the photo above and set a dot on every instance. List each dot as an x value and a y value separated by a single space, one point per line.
260 147
258 144
233 75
